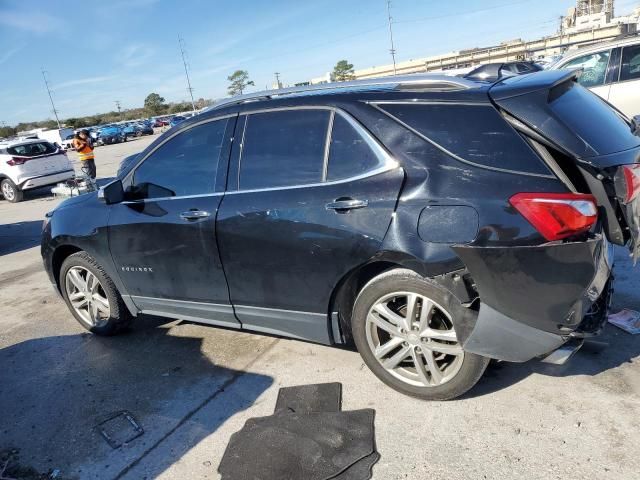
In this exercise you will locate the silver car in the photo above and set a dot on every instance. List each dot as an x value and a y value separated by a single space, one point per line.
611 70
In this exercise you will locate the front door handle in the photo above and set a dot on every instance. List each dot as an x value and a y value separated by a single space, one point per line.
194 215
346 204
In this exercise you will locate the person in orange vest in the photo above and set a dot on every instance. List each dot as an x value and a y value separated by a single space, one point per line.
84 147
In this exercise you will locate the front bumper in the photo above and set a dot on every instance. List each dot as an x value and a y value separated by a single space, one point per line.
535 298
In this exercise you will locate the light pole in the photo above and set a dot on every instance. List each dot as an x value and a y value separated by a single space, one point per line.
46 84
277 74
186 72
392 49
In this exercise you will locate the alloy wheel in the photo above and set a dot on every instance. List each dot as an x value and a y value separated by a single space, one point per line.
7 191
413 338
87 297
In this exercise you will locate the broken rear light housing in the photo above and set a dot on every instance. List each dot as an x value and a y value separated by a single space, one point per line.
557 215
627 181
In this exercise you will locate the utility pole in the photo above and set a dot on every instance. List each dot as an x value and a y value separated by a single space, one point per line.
392 49
186 72
277 74
118 107
46 84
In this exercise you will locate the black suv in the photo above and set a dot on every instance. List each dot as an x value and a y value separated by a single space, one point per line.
435 222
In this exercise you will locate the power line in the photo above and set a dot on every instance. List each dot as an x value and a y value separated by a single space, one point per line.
46 83
392 50
186 72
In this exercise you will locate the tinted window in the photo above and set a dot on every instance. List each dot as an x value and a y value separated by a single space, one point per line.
475 133
593 121
185 165
283 148
594 68
630 63
349 154
32 149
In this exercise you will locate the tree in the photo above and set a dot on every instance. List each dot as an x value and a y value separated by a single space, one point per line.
343 71
7 132
154 104
239 81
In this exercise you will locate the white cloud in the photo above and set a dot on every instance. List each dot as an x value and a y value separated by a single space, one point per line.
33 21
83 81
8 54
134 55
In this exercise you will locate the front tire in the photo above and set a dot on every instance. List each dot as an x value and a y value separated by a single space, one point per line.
92 296
10 192
403 327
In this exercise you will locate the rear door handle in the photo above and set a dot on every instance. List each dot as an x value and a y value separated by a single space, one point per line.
344 204
194 215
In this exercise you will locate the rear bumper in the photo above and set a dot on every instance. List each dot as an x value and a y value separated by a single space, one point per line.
44 180
535 298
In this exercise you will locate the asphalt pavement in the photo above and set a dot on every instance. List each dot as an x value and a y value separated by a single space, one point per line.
189 387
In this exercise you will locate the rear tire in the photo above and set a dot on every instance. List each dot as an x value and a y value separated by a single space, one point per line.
10 192
92 296
403 327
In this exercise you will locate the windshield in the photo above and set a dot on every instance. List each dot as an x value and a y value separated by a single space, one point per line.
32 149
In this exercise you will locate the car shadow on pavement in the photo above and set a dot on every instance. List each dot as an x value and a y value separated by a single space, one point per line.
15 237
55 391
610 350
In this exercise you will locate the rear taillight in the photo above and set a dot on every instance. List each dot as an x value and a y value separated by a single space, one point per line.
557 215
627 181
13 161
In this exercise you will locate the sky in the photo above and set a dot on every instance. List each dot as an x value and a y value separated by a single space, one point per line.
98 52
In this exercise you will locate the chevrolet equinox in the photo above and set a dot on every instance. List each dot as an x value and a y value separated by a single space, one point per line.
434 222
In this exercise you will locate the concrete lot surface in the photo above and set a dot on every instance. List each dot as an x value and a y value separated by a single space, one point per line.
190 387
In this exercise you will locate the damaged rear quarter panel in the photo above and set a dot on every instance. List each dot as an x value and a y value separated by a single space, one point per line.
547 286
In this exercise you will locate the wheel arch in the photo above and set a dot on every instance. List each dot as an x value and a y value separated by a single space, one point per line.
346 291
60 254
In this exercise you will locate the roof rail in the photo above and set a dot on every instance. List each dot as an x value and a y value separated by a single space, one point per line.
416 82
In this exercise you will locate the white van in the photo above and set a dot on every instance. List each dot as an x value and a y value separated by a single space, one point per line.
29 164
611 70
56 135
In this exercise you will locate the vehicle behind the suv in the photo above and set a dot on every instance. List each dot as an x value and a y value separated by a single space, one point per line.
611 70
29 164
433 222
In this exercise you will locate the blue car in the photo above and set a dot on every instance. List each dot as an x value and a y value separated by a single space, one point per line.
176 120
111 134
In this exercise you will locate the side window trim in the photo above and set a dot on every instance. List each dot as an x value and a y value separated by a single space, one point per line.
613 68
389 162
128 179
327 146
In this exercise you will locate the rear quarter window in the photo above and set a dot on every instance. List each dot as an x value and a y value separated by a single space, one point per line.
31 149
474 133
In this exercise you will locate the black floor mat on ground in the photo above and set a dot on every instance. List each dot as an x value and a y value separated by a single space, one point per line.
308 438
321 397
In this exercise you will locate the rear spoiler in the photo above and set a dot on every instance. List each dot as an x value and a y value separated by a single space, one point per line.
532 82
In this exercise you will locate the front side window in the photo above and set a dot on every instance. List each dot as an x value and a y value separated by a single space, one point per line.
185 165
630 63
349 153
283 148
594 68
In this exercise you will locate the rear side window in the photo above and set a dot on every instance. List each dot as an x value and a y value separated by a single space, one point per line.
31 149
283 148
475 133
185 165
630 63
594 68
349 154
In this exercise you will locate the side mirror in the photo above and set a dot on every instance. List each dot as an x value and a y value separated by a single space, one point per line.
112 192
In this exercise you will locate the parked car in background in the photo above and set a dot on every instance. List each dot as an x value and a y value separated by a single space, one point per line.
176 120
67 143
611 70
111 134
495 71
55 135
131 130
145 129
29 164
436 222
